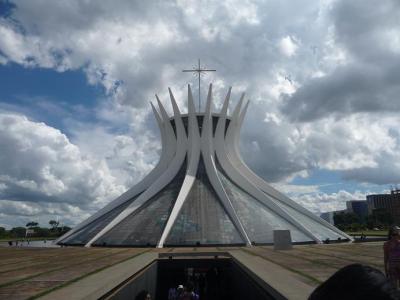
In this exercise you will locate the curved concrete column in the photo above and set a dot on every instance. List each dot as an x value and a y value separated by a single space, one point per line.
207 149
190 177
165 178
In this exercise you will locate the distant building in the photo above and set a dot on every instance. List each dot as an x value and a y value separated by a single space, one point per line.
389 202
358 207
328 216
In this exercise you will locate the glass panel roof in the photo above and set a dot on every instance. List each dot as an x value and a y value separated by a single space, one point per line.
81 237
319 230
144 227
202 218
258 220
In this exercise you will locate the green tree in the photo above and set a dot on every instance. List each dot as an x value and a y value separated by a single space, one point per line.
63 229
347 221
54 224
3 232
32 224
380 218
18 232
43 232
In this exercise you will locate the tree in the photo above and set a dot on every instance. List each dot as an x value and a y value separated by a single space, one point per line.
18 232
379 218
32 224
42 232
347 221
64 229
3 232
54 224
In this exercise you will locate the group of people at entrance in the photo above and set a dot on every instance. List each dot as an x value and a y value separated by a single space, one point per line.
183 293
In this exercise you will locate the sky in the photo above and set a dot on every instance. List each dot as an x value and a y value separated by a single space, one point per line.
76 79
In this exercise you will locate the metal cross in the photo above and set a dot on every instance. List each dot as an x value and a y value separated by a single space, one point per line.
198 72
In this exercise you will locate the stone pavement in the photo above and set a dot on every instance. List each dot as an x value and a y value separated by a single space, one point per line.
27 273
98 284
272 277
30 272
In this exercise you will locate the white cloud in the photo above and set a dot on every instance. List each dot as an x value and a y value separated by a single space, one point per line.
296 188
323 202
288 46
19 213
40 164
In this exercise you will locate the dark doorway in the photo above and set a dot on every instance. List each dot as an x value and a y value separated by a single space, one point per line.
213 279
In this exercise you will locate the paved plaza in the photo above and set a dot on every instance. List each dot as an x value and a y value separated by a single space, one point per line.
28 273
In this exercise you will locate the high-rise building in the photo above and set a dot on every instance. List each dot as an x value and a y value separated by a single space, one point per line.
388 202
200 193
358 207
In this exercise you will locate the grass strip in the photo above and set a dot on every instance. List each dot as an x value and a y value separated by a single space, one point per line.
36 257
313 261
345 250
56 269
309 277
41 294
369 233
342 258
38 238
69 255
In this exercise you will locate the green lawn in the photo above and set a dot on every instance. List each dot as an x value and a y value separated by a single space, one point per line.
369 232
36 238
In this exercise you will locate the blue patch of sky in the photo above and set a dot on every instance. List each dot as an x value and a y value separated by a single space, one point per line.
47 95
6 8
332 182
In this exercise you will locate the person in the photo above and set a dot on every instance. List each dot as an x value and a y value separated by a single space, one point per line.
172 294
179 291
356 282
202 285
391 255
143 295
189 293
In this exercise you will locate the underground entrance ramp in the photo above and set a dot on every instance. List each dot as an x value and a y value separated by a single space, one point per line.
214 275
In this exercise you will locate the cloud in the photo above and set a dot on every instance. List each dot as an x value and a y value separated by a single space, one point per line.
40 164
133 49
349 89
19 213
368 37
362 147
288 46
323 202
